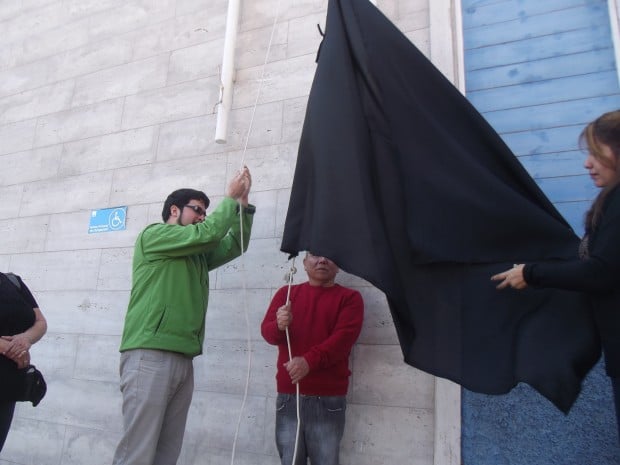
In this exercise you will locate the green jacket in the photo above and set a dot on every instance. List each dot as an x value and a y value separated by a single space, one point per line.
170 280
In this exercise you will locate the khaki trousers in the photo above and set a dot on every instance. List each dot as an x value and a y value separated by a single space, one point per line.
157 388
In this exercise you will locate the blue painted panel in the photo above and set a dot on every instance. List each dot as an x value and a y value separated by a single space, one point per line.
547 140
480 13
568 188
547 91
549 68
574 212
526 27
551 115
523 429
567 43
550 164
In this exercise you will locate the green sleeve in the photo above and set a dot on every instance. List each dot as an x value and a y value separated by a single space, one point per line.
230 246
160 241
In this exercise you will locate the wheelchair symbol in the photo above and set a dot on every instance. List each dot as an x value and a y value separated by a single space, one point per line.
116 220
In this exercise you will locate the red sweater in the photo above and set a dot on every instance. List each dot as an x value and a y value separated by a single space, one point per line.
326 324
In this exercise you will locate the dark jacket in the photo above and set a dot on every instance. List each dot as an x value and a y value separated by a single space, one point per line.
598 275
16 316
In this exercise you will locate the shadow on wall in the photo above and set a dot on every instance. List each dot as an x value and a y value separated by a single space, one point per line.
523 428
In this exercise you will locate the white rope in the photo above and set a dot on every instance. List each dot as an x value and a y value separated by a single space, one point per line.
260 82
248 336
290 357
242 257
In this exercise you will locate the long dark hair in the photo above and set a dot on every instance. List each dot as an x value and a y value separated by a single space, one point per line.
605 130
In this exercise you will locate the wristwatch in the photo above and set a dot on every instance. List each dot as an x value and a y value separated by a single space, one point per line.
250 209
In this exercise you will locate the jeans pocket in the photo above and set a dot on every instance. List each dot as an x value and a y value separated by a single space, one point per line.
281 401
334 404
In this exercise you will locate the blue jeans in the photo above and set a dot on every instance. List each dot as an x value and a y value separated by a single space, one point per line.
322 427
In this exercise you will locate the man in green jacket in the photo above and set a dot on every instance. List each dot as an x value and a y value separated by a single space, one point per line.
165 321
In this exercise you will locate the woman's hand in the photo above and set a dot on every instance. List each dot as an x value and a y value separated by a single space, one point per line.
17 345
22 359
511 278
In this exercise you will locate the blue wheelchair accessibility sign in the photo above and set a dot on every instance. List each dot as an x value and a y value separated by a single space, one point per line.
108 219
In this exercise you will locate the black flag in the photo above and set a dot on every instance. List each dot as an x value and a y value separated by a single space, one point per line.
402 182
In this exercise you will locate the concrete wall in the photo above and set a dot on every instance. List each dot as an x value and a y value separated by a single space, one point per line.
107 103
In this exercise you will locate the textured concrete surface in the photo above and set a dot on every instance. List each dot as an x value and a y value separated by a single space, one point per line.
523 428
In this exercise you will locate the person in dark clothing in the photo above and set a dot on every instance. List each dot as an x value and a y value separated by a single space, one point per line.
21 325
596 271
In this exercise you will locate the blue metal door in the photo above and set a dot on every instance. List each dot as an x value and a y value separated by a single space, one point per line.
539 71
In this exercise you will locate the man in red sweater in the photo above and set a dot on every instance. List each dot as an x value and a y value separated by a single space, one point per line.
324 320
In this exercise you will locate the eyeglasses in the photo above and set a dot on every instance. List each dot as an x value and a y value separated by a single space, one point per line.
197 209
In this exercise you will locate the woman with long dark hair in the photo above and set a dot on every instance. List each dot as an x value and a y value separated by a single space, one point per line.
596 271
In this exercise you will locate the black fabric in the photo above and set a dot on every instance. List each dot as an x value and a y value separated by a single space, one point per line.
25 385
7 408
401 181
16 307
16 316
